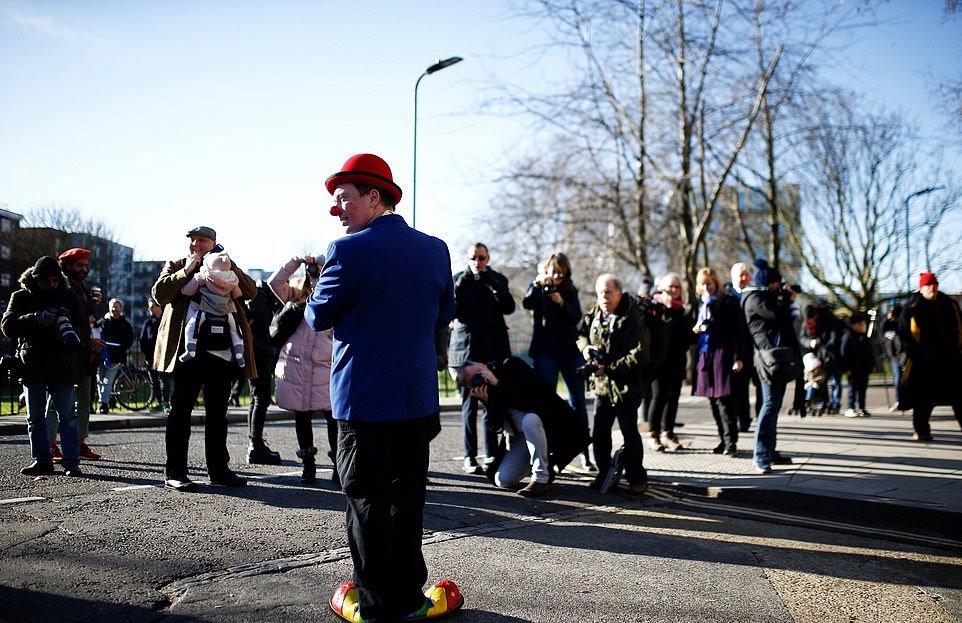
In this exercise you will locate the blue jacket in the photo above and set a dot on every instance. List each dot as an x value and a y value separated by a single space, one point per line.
384 290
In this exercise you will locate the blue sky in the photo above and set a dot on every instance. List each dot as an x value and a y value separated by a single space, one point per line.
157 116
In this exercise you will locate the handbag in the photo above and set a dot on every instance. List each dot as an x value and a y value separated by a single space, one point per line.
285 323
779 364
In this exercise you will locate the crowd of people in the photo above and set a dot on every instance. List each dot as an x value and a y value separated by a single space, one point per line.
322 340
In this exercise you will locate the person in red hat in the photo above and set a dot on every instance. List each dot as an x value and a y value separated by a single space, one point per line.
931 332
384 389
75 264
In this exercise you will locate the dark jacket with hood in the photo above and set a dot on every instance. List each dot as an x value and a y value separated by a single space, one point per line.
41 352
769 319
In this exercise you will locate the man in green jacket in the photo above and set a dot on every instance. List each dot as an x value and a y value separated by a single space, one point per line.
616 346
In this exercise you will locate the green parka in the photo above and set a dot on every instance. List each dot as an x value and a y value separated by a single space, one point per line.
626 343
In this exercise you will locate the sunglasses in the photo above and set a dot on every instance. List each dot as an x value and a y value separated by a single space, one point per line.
478 258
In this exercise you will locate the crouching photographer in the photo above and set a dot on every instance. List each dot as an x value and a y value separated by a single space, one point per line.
615 344
539 429
40 317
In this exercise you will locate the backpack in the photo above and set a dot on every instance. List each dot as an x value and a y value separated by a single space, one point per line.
655 319
285 323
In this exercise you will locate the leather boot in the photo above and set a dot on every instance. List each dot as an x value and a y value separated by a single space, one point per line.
309 477
258 453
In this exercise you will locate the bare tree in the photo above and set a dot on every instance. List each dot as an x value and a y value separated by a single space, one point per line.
857 170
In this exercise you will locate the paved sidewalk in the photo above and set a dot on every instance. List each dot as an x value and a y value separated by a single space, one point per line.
837 460
872 459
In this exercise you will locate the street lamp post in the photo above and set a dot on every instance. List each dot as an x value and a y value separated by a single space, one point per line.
908 241
437 66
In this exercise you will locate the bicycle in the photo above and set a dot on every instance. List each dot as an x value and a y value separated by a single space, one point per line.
132 388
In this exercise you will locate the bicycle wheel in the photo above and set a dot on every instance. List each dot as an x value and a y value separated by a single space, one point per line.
133 389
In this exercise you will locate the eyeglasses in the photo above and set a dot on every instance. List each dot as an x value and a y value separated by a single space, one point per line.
478 258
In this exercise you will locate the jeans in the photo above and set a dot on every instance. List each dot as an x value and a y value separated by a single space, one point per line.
765 436
897 374
83 410
63 400
528 452
383 468
605 415
548 369
105 379
835 385
160 381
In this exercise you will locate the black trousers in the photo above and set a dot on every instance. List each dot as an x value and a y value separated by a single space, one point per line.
304 429
627 415
469 420
923 411
260 392
741 405
383 468
726 420
663 405
857 388
214 376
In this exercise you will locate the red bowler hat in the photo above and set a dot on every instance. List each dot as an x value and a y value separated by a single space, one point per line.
365 169
72 255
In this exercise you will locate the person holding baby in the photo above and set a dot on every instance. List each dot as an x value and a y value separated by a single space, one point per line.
202 340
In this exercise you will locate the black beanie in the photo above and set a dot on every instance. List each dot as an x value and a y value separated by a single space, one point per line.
46 266
766 274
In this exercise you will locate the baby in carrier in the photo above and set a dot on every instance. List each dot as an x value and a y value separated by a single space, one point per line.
816 385
210 315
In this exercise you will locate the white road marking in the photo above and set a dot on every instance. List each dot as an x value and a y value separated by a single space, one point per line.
18 500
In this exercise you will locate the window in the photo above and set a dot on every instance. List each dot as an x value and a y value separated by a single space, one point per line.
6 225
4 251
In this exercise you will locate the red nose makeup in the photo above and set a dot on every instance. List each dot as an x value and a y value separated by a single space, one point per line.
336 210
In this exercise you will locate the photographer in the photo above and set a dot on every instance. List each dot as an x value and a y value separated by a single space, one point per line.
615 344
303 371
767 309
46 350
667 378
541 430
553 300
479 333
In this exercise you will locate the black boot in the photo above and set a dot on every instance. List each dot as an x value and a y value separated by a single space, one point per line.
335 479
259 454
307 455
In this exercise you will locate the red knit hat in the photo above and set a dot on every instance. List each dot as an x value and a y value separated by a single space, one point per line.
72 255
366 169
927 279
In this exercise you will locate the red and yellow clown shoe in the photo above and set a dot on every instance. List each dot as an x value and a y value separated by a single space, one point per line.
440 600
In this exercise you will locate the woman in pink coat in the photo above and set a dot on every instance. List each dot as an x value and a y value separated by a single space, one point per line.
303 372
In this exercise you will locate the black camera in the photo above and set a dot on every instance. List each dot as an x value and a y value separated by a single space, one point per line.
549 288
313 269
477 380
597 359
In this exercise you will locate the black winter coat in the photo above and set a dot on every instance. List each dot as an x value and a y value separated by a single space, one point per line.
519 387
555 332
857 357
116 331
768 315
148 338
43 356
480 333
931 333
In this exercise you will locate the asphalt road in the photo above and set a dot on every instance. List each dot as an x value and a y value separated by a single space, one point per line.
115 547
